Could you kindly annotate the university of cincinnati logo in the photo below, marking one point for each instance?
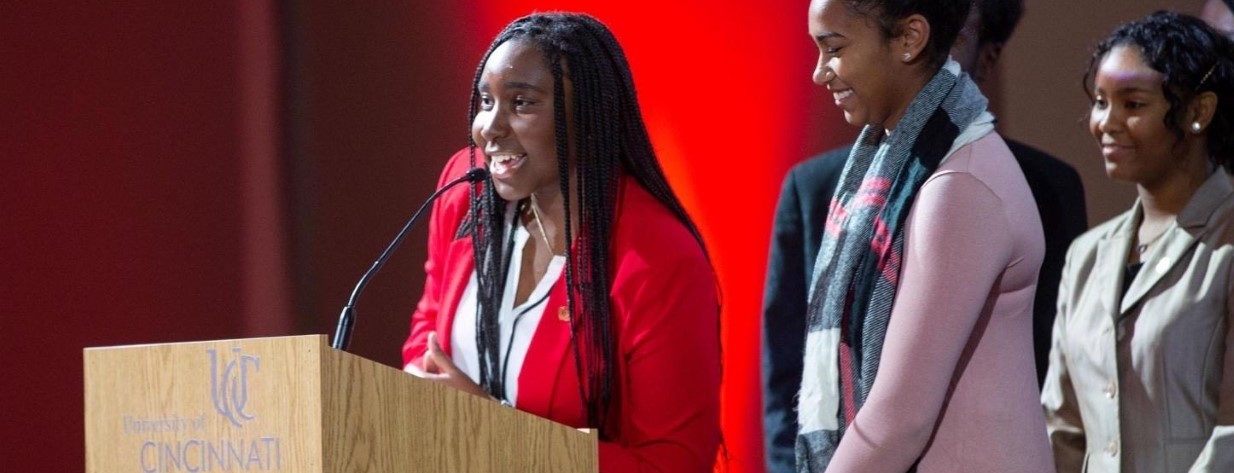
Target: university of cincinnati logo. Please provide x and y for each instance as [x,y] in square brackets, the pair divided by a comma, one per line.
[229,385]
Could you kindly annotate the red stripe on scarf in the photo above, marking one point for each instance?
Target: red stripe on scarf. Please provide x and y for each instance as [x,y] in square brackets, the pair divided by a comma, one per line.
[882,245]
[848,380]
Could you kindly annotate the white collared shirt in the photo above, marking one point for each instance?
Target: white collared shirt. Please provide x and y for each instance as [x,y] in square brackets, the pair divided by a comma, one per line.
[517,324]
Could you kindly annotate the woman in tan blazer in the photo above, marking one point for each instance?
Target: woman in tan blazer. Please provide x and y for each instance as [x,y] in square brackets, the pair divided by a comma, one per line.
[1141,375]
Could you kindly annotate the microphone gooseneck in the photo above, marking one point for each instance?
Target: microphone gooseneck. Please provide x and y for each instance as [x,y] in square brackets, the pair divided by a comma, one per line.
[346,320]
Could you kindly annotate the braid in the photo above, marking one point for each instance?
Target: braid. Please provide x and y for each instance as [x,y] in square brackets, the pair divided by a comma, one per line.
[597,189]
[490,259]
[488,232]
[604,140]
[639,158]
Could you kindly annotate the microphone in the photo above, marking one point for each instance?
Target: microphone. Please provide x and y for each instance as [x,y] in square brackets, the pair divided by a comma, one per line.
[346,319]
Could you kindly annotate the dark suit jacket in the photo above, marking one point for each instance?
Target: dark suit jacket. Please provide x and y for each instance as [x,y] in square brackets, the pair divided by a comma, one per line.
[797,236]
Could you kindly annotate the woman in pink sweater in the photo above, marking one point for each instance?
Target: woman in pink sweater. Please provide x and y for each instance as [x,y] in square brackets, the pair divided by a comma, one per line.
[919,354]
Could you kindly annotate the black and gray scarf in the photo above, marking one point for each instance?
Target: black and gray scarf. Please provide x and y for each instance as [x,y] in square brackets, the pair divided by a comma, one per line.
[858,266]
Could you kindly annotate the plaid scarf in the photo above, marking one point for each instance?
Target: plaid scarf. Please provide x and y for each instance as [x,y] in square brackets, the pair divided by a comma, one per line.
[858,266]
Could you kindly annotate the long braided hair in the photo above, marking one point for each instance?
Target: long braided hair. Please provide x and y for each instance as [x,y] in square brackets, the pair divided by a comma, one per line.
[609,140]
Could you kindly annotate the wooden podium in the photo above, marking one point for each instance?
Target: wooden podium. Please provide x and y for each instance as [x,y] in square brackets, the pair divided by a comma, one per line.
[294,404]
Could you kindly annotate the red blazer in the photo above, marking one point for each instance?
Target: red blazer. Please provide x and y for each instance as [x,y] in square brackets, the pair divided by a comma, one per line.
[665,414]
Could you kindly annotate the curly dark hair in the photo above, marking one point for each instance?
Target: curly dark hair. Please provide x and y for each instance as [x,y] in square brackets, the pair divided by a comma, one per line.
[1194,58]
[946,18]
[609,139]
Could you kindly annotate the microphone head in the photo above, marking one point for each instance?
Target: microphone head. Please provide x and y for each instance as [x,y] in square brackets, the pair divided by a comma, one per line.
[477,174]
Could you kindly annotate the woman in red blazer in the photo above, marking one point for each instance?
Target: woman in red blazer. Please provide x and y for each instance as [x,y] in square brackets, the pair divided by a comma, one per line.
[597,310]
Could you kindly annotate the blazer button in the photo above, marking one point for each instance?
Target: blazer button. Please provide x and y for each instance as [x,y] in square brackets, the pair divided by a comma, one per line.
[1110,390]
[1111,448]
[1163,265]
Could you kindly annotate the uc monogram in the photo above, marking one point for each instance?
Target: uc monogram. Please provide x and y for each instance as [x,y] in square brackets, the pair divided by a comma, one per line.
[229,388]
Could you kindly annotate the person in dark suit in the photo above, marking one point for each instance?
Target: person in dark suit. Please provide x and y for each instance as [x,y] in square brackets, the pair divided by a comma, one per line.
[802,211]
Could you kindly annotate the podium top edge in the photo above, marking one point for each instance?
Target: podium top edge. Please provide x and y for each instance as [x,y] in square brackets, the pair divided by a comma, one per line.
[321,337]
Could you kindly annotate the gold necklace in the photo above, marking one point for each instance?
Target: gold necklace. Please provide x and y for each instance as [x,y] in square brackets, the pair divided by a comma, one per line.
[536,214]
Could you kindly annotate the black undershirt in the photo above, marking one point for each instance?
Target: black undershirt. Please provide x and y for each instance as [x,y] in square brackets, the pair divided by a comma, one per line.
[1132,270]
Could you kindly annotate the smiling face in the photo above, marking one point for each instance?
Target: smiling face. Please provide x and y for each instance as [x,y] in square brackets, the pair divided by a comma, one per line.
[514,124]
[857,64]
[1128,118]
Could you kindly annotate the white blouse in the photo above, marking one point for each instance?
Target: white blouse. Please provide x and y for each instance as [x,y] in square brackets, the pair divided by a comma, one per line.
[517,324]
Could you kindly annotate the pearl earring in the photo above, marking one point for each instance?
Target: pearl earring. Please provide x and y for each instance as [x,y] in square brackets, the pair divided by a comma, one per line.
[908,56]
[1196,127]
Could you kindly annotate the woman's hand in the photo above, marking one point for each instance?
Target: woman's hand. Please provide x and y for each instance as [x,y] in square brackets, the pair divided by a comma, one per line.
[440,368]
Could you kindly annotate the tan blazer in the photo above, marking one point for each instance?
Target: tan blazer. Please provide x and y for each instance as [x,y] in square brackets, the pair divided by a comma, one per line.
[1144,382]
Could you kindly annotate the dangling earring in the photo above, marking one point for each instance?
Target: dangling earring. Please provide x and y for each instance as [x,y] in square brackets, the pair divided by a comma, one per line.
[908,56]
[1196,128]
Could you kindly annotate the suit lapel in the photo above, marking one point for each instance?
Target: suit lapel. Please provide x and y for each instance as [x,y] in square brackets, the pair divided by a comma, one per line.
[547,355]
[1193,222]
[549,351]
[543,386]
[1174,247]
[457,276]
[548,384]
[1111,261]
